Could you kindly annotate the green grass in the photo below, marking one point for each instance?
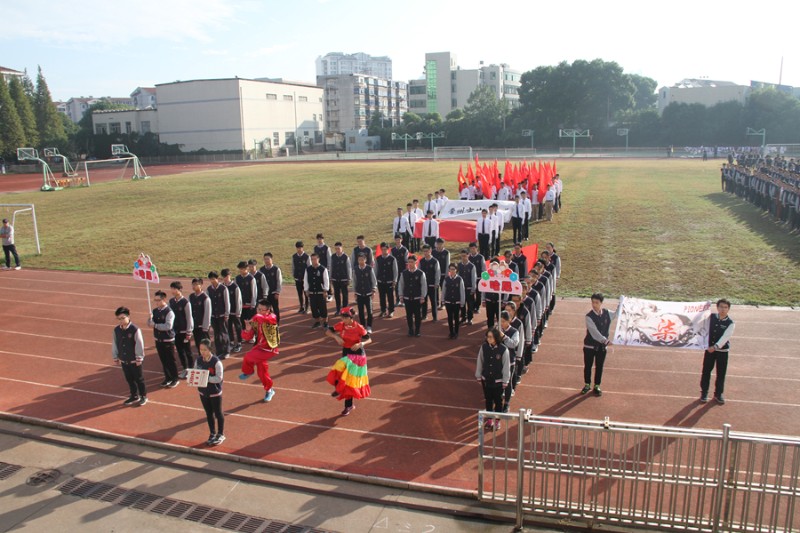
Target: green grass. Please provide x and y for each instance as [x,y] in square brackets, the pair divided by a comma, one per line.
[655,229]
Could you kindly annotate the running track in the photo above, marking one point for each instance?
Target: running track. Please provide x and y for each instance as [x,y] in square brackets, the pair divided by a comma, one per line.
[419,425]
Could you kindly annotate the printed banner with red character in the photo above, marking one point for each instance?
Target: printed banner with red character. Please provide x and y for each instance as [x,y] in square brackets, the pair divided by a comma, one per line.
[500,281]
[665,324]
[144,269]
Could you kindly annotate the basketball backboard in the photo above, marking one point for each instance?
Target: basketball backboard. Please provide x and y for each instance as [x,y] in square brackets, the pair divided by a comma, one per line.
[119,149]
[27,154]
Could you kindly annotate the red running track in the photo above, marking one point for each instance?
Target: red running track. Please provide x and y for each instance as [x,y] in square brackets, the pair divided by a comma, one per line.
[420,425]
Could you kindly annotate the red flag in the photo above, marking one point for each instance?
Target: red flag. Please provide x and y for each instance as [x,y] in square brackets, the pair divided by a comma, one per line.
[486,186]
[470,175]
[461,180]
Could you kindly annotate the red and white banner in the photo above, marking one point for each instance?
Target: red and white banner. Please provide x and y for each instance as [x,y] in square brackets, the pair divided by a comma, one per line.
[667,324]
[144,269]
[500,281]
[451,230]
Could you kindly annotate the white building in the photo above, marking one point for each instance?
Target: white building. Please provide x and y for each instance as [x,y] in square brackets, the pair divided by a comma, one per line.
[337,63]
[77,107]
[701,91]
[236,114]
[144,97]
[447,86]
[135,120]
[8,73]
[352,99]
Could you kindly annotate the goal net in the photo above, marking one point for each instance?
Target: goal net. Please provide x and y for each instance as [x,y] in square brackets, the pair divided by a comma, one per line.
[26,230]
[100,170]
[452,153]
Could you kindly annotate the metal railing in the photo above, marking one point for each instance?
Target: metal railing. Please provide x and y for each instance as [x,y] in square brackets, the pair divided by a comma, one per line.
[603,472]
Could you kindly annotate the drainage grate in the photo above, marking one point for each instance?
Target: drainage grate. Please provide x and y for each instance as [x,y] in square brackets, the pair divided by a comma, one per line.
[153,503]
[7,470]
[43,477]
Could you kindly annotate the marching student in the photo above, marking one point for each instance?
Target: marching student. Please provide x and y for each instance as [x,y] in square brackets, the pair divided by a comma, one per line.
[211,394]
[161,320]
[492,302]
[454,297]
[412,217]
[340,274]
[201,312]
[413,289]
[483,233]
[235,316]
[316,284]
[183,325]
[480,267]
[499,224]
[416,209]
[493,371]
[400,254]
[220,310]
[521,260]
[554,258]
[510,337]
[272,273]
[300,261]
[598,324]
[527,207]
[517,216]
[536,206]
[400,226]
[467,272]
[349,375]
[443,199]
[261,282]
[364,285]
[430,229]
[263,327]
[386,273]
[719,333]
[518,324]
[550,269]
[429,265]
[549,200]
[442,255]
[127,350]
[324,253]
[362,248]
[248,287]
[431,205]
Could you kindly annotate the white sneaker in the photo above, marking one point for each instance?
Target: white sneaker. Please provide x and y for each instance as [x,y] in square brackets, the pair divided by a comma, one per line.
[17,268]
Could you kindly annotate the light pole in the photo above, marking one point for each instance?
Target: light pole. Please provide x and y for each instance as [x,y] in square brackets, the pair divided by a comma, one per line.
[762,133]
[528,133]
[573,134]
[430,136]
[623,132]
[404,137]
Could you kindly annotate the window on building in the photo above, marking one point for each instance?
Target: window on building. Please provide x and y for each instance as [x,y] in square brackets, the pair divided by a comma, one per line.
[453,103]
[315,117]
[303,99]
[145,126]
[127,127]
[289,137]
[272,96]
[288,97]
[100,129]
[493,75]
[115,127]
[276,138]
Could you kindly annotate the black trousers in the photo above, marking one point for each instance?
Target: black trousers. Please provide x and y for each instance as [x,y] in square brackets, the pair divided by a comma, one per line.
[433,298]
[468,311]
[184,348]
[364,310]
[198,335]
[274,298]
[413,314]
[510,388]
[166,352]
[319,305]
[710,360]
[483,244]
[497,236]
[386,297]
[596,357]
[453,317]
[492,313]
[516,228]
[247,314]
[493,394]
[213,409]
[135,378]
[340,294]
[222,343]
[235,329]
[430,241]
[302,297]
[9,250]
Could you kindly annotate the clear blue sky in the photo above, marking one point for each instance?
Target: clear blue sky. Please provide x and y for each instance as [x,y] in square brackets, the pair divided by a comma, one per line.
[108,49]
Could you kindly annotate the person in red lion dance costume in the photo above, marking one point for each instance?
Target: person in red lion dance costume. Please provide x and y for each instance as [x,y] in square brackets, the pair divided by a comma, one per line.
[264,328]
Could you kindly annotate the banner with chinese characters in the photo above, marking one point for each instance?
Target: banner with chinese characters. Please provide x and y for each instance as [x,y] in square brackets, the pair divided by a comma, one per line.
[500,281]
[471,209]
[144,269]
[668,324]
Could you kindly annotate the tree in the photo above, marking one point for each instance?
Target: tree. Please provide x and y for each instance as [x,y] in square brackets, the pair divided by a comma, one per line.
[22,102]
[12,135]
[484,117]
[51,129]
[644,96]
[777,112]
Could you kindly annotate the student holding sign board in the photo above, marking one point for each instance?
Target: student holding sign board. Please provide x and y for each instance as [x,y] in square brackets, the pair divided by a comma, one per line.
[207,377]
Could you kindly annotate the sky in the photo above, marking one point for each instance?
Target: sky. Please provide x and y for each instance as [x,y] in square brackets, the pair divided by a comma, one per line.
[94,48]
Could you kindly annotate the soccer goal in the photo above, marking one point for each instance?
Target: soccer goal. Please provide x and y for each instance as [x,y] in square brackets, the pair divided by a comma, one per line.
[452,153]
[26,230]
[121,151]
[97,170]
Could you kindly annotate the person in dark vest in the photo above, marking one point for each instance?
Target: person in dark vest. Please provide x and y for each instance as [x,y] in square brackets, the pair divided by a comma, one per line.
[512,339]
[184,324]
[479,260]
[413,289]
[162,320]
[201,312]
[442,255]
[720,331]
[127,350]
[364,285]
[430,266]
[400,254]
[300,261]
[211,394]
[386,272]
[235,316]
[521,260]
[598,324]
[324,253]
[220,310]
[248,287]
[316,284]
[262,289]
[493,371]
[362,248]
[272,273]
[340,273]
[468,273]
[454,297]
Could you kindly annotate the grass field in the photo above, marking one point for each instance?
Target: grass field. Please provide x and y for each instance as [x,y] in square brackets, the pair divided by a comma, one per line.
[657,229]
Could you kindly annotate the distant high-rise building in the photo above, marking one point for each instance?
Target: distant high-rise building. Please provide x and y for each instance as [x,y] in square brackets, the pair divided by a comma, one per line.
[337,63]
[446,86]
[351,100]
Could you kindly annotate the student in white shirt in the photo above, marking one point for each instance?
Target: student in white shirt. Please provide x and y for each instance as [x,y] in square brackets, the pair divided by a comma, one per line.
[400,227]
[430,230]
[526,204]
[411,219]
[431,205]
[483,233]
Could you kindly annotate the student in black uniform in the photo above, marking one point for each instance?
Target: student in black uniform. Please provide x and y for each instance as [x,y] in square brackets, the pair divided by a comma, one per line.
[220,310]
[454,298]
[400,254]
[261,282]
[362,248]
[511,339]
[493,372]
[468,274]
[235,316]
[521,260]
[598,324]
[340,273]
[442,255]
[413,288]
[272,273]
[184,324]
[386,273]
[430,266]
[364,285]
[300,260]
[480,267]
[324,253]
[211,394]
[201,312]
[127,350]
[248,287]
[162,320]
[719,334]
[316,284]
